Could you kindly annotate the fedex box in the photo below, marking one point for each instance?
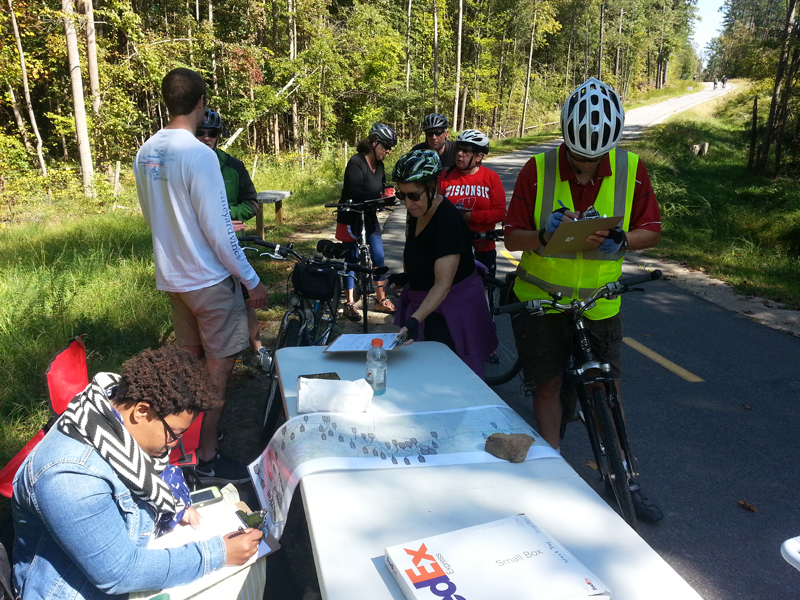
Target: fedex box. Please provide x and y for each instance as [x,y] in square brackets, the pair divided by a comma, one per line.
[505,559]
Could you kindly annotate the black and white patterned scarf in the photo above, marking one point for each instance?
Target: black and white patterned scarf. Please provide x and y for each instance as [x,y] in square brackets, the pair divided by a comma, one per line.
[91,420]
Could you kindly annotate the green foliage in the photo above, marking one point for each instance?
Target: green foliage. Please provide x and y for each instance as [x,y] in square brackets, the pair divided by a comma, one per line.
[717,214]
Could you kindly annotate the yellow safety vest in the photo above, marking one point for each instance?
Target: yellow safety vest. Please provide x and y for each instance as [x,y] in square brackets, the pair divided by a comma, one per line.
[577,275]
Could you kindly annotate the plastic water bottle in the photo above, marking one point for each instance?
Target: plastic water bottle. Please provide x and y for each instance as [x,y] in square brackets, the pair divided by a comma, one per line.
[377,361]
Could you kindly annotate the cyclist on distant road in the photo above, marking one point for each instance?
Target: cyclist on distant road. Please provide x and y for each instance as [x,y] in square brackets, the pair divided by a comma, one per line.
[443,298]
[476,191]
[715,83]
[435,127]
[557,187]
[243,204]
[724,81]
[365,179]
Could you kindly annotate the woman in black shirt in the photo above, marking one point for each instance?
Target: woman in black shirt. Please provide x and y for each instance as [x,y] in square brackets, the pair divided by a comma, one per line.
[365,179]
[444,298]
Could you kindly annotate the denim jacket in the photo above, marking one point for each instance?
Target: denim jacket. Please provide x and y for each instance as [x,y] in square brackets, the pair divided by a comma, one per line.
[82,535]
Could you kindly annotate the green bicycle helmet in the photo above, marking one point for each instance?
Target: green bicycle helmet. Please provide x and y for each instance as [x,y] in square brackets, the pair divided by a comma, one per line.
[418,166]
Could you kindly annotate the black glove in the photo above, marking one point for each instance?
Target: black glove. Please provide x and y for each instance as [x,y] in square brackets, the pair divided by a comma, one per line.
[411,326]
[397,279]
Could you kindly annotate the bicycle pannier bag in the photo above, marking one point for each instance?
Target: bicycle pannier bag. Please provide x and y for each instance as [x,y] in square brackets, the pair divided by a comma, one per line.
[317,282]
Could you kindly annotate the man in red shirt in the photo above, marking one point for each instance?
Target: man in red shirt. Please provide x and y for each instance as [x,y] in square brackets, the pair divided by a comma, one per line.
[477,191]
[587,170]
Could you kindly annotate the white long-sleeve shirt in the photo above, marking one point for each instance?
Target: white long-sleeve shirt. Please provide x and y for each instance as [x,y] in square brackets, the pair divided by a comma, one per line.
[183,200]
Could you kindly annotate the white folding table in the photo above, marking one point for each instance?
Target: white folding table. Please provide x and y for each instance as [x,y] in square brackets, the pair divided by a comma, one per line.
[353,515]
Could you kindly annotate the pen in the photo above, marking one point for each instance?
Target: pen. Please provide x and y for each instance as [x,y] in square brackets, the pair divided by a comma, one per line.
[562,204]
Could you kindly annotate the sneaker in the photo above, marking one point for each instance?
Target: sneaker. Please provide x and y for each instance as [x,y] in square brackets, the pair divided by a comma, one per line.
[221,470]
[645,509]
[351,311]
[263,358]
[494,359]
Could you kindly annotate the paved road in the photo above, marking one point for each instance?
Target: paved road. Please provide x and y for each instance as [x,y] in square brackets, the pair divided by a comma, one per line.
[702,447]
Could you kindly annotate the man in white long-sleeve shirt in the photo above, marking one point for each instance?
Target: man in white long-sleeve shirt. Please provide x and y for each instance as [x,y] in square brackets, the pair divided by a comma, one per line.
[198,259]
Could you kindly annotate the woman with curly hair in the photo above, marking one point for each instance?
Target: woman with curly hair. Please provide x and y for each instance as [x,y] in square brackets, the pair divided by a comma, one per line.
[91,495]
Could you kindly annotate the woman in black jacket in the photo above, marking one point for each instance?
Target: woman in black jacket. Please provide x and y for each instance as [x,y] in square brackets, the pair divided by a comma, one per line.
[364,179]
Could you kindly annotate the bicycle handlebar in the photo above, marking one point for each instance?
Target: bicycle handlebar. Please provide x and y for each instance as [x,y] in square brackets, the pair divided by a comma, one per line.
[376,203]
[610,290]
[339,265]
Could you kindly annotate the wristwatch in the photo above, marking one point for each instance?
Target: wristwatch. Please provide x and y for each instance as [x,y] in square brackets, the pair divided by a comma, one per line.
[542,241]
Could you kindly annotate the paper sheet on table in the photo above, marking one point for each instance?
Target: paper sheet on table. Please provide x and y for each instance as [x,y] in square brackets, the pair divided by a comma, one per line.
[318,442]
[361,342]
[331,395]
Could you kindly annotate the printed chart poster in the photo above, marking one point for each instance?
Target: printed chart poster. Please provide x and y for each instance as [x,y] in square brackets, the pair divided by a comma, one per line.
[334,441]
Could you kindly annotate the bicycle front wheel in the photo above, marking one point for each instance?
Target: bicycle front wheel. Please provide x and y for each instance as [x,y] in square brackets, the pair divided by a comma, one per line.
[504,364]
[617,477]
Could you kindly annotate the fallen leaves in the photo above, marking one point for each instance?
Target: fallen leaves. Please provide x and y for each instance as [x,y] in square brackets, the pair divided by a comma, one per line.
[592,465]
[749,507]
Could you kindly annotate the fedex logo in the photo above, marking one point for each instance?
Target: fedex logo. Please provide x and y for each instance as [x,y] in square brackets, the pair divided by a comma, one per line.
[430,575]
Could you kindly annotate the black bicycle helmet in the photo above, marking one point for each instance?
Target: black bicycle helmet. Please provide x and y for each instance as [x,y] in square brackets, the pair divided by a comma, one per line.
[434,121]
[418,166]
[212,120]
[592,119]
[474,138]
[383,134]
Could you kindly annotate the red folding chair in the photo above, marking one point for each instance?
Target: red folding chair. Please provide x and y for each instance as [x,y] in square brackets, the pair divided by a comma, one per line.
[66,376]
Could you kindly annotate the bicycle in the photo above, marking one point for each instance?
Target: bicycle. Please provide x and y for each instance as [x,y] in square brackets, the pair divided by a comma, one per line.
[504,364]
[313,310]
[364,285]
[588,383]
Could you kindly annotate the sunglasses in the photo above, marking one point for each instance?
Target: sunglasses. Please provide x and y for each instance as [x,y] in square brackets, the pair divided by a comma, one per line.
[172,437]
[435,132]
[465,149]
[413,196]
[212,133]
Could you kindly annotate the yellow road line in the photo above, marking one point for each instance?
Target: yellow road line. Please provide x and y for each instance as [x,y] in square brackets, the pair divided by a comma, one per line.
[510,258]
[666,363]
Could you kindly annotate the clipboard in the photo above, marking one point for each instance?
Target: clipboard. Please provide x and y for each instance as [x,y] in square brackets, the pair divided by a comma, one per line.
[571,237]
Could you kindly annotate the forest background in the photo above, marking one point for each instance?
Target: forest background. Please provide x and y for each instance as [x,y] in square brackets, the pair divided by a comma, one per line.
[301,81]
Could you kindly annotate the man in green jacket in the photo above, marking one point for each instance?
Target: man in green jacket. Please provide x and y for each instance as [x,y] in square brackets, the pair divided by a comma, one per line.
[243,205]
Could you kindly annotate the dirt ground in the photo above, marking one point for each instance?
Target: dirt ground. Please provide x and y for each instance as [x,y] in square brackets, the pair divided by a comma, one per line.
[241,424]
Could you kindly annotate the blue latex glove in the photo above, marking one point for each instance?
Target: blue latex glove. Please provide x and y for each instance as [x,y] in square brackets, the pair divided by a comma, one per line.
[554,221]
[609,246]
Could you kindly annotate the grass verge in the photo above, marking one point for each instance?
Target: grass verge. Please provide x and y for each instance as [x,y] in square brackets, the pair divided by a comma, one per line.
[736,225]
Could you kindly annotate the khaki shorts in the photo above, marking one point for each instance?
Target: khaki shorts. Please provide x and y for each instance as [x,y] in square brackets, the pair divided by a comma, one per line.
[545,343]
[213,317]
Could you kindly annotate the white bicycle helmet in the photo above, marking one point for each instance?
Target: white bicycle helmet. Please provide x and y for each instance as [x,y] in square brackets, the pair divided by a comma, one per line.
[592,119]
[474,138]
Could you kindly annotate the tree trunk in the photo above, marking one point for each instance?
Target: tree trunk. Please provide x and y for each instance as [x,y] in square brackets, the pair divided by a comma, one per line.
[660,66]
[435,57]
[274,25]
[600,46]
[781,115]
[408,48]
[458,59]
[23,132]
[91,54]
[293,56]
[619,47]
[528,77]
[586,51]
[26,90]
[464,96]
[79,108]
[213,46]
[776,92]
